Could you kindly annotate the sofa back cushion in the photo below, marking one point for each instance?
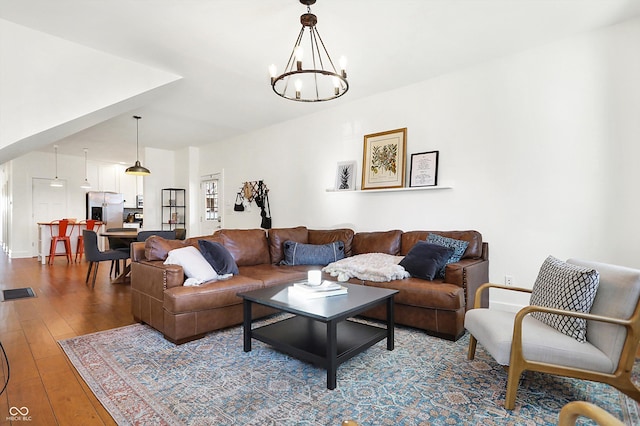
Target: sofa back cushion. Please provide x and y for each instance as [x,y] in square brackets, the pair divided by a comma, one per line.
[326,236]
[277,237]
[377,242]
[157,248]
[474,238]
[247,246]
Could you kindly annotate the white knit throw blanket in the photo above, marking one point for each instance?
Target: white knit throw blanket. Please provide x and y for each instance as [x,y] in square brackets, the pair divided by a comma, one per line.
[377,267]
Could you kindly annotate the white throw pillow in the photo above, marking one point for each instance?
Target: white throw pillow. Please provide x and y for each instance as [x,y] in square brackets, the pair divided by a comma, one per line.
[193,263]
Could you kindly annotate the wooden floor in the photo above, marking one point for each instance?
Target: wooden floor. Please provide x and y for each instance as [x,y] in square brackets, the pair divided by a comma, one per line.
[41,377]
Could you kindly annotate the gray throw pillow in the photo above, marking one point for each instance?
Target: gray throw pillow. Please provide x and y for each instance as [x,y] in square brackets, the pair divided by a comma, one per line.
[424,260]
[218,257]
[458,246]
[312,254]
[565,286]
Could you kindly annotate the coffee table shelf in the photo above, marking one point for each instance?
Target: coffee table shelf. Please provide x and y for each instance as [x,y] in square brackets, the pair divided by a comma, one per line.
[306,339]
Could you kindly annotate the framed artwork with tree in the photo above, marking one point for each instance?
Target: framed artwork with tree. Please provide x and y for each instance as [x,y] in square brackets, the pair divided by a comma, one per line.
[383,164]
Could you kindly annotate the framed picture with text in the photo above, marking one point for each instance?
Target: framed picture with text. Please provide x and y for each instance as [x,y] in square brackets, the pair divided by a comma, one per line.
[383,164]
[424,169]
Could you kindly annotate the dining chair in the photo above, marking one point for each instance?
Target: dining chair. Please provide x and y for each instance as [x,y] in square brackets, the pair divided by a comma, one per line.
[89,224]
[119,244]
[60,235]
[94,255]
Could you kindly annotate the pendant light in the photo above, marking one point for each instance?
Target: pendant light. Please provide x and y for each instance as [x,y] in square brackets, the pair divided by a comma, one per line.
[137,168]
[85,184]
[56,183]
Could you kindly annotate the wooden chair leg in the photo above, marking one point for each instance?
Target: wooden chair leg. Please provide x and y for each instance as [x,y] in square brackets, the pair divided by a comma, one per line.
[95,274]
[513,380]
[472,347]
[86,280]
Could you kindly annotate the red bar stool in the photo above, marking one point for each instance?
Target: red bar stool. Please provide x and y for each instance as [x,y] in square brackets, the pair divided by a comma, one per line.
[61,236]
[90,224]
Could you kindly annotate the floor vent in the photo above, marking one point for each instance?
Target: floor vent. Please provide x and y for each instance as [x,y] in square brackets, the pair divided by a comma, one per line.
[17,293]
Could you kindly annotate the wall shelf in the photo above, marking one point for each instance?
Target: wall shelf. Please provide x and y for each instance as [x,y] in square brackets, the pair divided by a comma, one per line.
[415,188]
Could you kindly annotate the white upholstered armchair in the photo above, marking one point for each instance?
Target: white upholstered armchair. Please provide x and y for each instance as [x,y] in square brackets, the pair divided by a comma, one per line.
[523,342]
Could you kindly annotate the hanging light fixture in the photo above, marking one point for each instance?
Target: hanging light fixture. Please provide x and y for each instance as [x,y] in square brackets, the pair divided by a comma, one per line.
[137,169]
[321,81]
[85,184]
[56,183]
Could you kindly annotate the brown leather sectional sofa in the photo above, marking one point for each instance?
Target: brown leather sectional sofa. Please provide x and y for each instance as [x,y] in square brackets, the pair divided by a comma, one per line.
[186,313]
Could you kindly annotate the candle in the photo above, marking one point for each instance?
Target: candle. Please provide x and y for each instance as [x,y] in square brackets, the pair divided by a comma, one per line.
[314,277]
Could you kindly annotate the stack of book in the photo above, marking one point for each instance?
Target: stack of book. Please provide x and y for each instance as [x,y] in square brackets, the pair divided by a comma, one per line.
[326,289]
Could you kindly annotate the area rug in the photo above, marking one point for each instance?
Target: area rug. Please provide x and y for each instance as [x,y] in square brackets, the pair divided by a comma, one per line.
[142,379]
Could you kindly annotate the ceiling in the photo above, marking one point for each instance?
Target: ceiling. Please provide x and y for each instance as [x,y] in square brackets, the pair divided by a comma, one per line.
[222,49]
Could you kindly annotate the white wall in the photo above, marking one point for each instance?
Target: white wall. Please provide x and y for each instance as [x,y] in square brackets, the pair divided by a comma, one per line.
[541,149]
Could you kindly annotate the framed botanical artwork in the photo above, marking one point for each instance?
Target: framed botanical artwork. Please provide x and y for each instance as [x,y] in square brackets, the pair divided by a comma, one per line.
[383,165]
[424,169]
[346,176]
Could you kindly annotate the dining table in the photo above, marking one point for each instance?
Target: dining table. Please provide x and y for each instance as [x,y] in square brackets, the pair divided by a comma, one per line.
[125,236]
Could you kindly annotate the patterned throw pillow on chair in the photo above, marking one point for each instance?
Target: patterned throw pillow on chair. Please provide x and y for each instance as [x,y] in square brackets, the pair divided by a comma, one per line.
[565,286]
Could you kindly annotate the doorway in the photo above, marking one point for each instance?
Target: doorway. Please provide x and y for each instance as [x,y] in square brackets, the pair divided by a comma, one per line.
[49,203]
[210,203]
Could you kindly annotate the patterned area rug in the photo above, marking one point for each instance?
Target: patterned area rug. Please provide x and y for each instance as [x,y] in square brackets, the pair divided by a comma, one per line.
[143,379]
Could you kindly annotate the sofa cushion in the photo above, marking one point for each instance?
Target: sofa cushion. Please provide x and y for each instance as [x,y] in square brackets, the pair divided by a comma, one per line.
[377,242]
[325,236]
[458,246]
[473,251]
[193,264]
[424,260]
[277,237]
[157,248]
[247,246]
[312,254]
[565,286]
[218,257]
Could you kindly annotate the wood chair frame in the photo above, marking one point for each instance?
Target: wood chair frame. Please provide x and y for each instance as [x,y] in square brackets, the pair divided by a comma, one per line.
[620,378]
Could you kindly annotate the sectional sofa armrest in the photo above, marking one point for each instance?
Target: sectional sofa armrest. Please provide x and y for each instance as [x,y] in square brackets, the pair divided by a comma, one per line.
[469,274]
[153,277]
[137,251]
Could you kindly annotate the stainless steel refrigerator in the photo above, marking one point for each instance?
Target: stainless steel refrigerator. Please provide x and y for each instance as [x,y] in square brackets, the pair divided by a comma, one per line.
[107,207]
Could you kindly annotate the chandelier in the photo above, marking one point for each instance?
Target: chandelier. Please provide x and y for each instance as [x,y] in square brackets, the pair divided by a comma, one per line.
[319,81]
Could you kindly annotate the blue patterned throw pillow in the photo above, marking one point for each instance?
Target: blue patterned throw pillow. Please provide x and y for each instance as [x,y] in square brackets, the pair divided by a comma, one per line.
[312,254]
[458,246]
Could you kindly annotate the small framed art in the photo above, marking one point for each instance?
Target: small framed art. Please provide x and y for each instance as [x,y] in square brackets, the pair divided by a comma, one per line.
[346,176]
[424,169]
[383,165]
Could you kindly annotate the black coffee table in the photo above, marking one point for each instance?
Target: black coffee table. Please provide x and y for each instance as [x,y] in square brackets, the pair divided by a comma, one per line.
[320,332]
